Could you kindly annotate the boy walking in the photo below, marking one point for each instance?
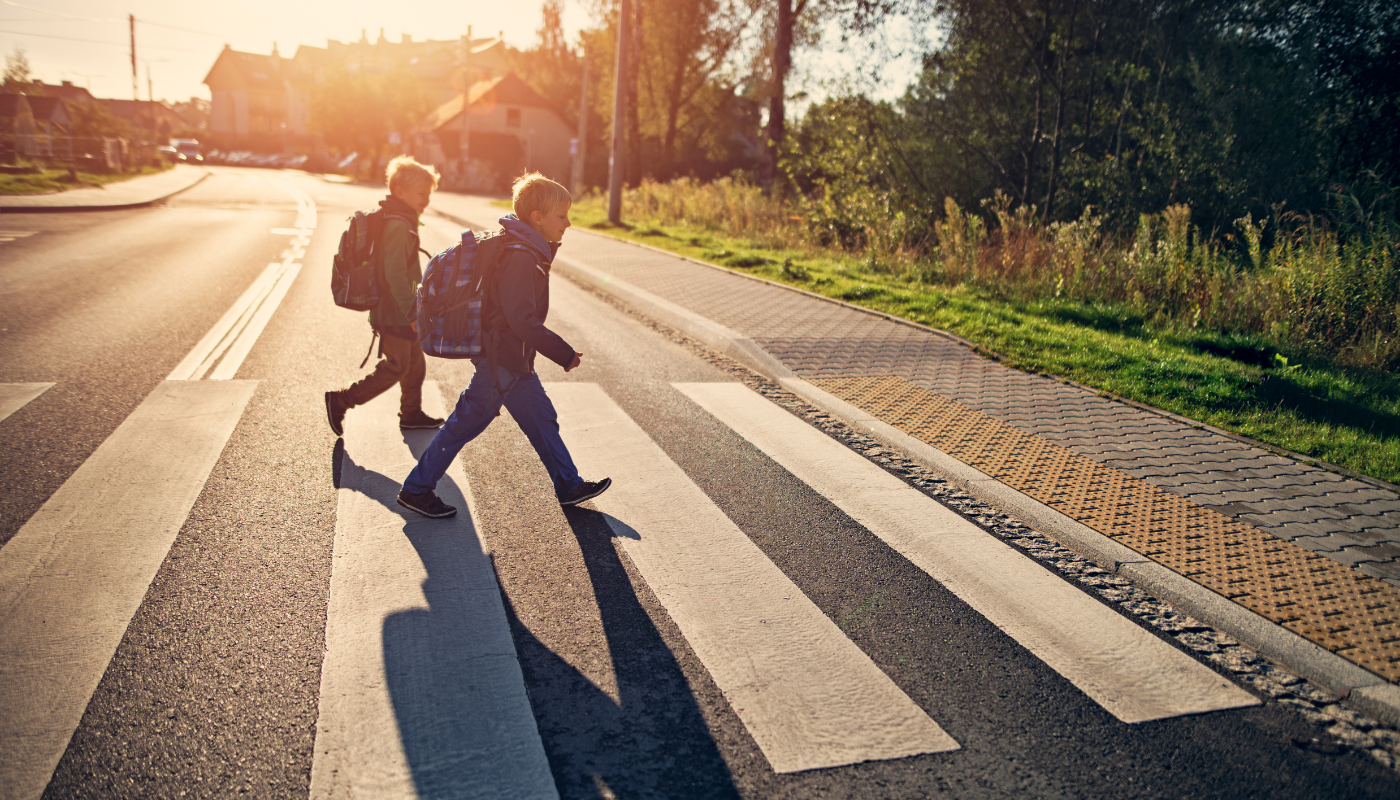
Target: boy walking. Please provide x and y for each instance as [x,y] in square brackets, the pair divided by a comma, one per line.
[515,304]
[396,257]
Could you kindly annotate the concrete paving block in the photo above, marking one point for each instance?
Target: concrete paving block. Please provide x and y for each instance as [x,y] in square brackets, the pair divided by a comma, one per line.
[1326,543]
[1385,570]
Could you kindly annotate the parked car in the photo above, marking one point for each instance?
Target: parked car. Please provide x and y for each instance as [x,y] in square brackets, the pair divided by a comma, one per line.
[168,153]
[188,150]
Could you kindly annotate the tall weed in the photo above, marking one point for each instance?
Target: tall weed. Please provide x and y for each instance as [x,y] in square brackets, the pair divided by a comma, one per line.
[1328,294]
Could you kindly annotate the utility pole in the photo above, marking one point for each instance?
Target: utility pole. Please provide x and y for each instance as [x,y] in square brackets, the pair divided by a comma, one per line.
[619,127]
[135,93]
[577,183]
[466,108]
[151,101]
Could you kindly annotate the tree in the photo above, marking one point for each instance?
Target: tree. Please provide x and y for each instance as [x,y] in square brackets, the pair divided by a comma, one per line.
[93,120]
[356,110]
[18,76]
[792,24]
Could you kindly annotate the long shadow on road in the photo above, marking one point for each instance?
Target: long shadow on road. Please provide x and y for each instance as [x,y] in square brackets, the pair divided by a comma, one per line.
[653,741]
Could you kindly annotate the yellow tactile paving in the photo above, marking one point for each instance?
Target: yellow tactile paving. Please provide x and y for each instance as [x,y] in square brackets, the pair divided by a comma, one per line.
[1351,614]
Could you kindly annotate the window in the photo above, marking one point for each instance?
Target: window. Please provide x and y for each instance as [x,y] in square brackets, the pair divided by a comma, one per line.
[512,118]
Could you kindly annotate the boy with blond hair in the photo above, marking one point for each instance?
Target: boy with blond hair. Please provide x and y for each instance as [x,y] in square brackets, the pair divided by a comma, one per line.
[514,306]
[399,273]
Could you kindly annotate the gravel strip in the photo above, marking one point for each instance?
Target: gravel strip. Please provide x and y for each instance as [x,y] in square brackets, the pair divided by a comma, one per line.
[1338,728]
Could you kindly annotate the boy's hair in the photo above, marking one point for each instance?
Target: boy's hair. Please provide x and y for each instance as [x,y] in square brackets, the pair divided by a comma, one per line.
[404,172]
[534,192]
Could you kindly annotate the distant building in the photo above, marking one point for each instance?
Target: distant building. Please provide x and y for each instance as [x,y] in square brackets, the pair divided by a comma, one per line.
[261,102]
[30,123]
[147,119]
[512,129]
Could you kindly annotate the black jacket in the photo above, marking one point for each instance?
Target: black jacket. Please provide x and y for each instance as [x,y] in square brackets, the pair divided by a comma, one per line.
[513,314]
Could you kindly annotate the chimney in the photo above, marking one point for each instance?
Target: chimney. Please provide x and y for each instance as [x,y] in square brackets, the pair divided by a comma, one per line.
[275,54]
[407,39]
[381,37]
[363,38]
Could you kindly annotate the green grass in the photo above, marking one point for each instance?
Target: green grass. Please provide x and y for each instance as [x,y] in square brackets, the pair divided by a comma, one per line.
[58,180]
[1346,417]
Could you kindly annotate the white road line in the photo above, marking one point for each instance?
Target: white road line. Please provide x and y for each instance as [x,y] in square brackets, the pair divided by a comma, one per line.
[73,576]
[14,396]
[421,690]
[1134,675]
[809,697]
[233,336]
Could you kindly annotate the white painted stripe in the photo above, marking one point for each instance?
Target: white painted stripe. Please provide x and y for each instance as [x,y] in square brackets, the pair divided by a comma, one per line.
[234,335]
[1134,675]
[73,576]
[196,363]
[421,691]
[14,396]
[809,697]
[228,366]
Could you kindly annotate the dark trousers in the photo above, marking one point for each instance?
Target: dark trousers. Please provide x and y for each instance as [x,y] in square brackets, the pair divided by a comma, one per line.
[477,407]
[402,362]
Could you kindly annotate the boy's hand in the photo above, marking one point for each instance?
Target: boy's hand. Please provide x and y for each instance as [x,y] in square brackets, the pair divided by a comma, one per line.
[578,357]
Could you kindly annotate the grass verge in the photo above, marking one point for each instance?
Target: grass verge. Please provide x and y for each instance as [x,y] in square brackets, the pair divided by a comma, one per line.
[1346,417]
[58,180]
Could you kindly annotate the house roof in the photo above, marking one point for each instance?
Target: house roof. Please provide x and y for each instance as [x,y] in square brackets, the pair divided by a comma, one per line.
[237,70]
[67,91]
[506,89]
[52,109]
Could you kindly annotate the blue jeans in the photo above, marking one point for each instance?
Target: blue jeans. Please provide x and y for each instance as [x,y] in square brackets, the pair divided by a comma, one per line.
[479,404]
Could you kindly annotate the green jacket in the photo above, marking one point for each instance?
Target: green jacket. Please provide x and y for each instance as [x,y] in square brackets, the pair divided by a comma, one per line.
[400,271]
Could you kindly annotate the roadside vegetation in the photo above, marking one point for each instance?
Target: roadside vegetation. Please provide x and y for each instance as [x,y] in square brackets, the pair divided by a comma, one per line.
[1294,345]
[45,180]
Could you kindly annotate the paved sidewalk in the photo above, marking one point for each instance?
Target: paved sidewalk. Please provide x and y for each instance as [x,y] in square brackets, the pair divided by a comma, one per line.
[132,193]
[1311,551]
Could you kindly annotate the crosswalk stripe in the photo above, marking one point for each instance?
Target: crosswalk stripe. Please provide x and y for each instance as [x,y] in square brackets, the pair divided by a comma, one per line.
[1134,675]
[809,697]
[14,396]
[421,690]
[73,576]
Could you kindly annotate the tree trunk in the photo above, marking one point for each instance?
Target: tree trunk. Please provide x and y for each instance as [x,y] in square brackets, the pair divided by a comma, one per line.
[1030,152]
[634,118]
[1065,50]
[777,123]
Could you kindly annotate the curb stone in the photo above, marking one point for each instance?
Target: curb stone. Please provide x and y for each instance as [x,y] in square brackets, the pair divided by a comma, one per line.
[113,207]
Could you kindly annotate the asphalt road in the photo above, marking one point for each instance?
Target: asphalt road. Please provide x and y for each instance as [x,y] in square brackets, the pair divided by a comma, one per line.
[214,689]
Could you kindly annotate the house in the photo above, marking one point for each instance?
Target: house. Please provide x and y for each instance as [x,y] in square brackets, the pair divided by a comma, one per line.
[262,102]
[33,125]
[149,120]
[511,129]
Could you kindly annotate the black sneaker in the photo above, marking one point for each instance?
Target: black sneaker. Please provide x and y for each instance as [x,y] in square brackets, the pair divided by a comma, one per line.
[585,491]
[425,503]
[335,413]
[418,421]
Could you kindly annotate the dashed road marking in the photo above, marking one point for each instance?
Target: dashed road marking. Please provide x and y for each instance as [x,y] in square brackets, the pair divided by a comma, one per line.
[1134,675]
[806,693]
[222,350]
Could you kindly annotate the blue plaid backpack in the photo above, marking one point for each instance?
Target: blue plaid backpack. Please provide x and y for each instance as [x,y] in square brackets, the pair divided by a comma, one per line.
[449,299]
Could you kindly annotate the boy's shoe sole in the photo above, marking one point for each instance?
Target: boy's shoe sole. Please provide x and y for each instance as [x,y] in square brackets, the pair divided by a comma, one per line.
[442,511]
[421,424]
[586,491]
[335,413]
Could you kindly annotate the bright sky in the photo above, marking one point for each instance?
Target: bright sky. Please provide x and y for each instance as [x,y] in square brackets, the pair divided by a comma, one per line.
[87,41]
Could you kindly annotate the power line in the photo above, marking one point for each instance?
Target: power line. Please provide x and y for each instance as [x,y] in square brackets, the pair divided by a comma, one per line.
[96,41]
[57,14]
[104,19]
